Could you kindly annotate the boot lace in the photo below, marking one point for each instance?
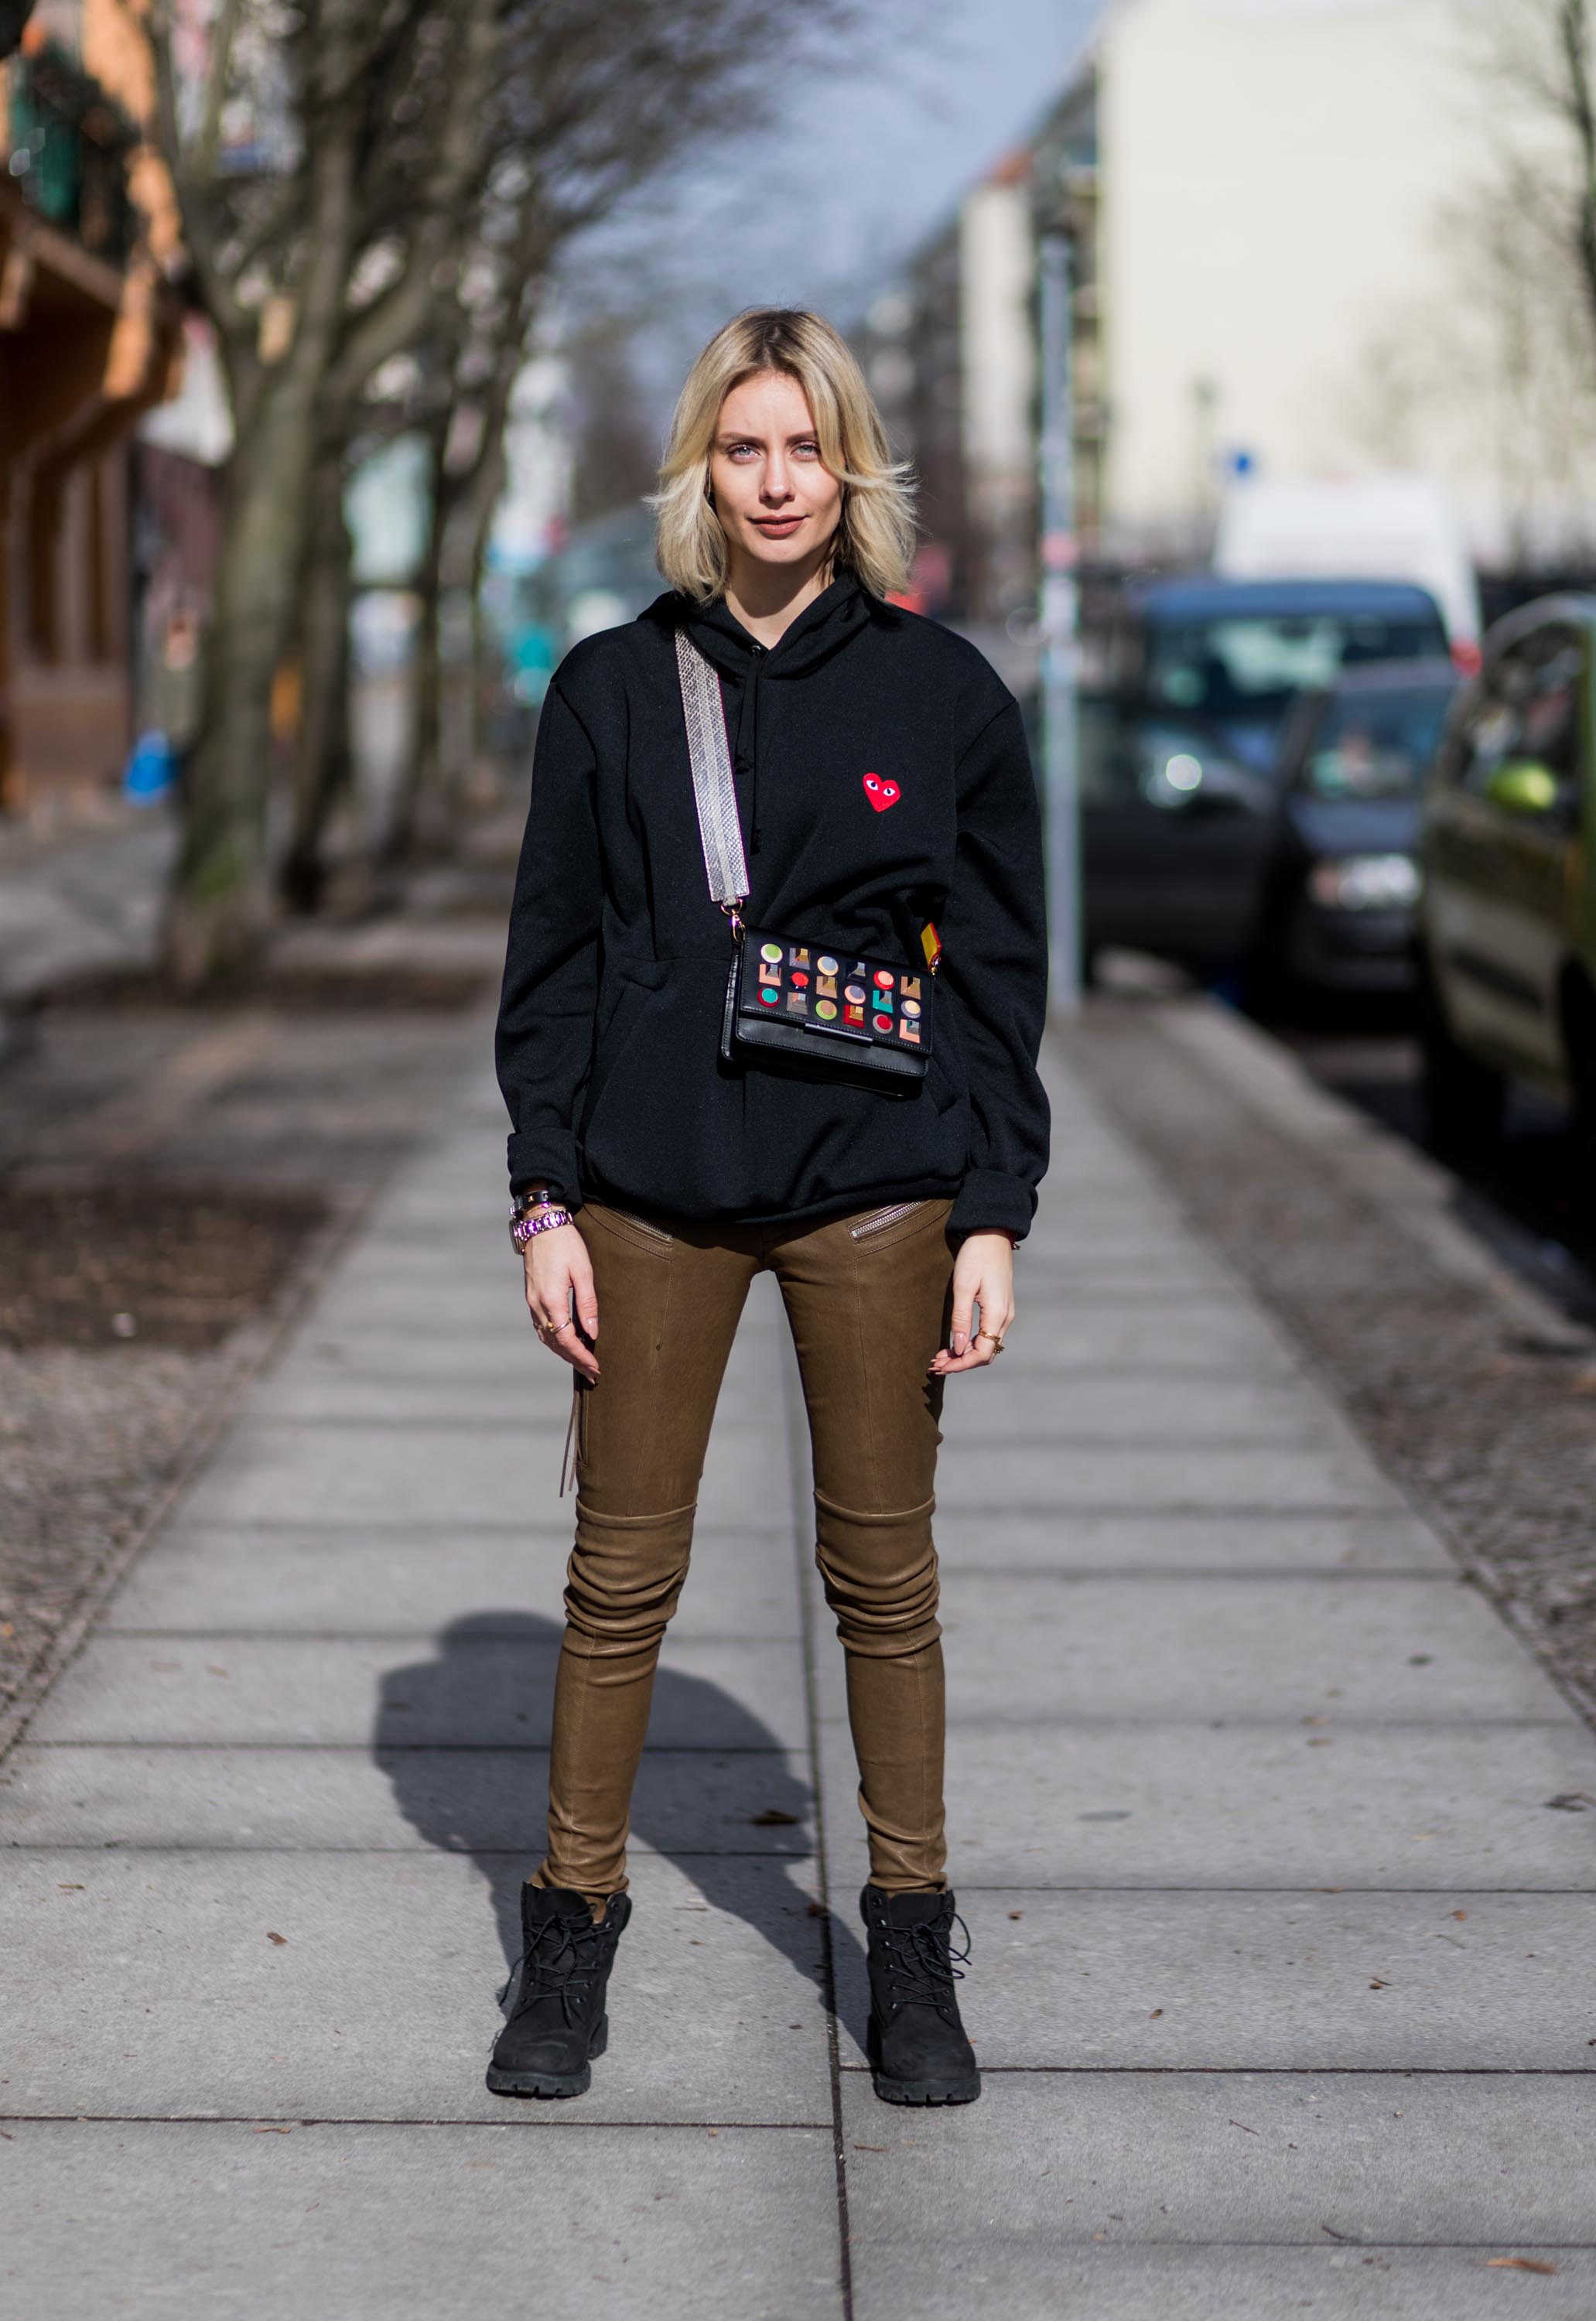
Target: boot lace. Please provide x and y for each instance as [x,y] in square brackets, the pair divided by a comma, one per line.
[563,1962]
[921,1963]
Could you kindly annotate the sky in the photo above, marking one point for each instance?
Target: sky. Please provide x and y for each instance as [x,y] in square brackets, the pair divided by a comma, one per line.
[871,148]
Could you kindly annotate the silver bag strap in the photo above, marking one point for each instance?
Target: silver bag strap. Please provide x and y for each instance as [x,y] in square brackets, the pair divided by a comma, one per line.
[714,793]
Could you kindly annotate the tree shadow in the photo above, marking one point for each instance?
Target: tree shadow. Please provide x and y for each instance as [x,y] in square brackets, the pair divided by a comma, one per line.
[462,1739]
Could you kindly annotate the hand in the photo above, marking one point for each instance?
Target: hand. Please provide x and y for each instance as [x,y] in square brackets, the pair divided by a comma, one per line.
[558,1281]
[983,1278]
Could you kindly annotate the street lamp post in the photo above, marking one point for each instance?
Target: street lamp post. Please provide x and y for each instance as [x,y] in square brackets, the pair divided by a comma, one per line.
[1059,612]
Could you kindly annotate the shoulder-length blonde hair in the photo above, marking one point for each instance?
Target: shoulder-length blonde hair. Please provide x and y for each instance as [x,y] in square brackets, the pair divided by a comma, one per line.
[875,535]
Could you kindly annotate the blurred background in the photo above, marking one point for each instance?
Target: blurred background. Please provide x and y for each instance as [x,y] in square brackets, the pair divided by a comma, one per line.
[1244,350]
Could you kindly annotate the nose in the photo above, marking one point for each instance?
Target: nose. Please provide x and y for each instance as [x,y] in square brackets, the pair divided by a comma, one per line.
[777,485]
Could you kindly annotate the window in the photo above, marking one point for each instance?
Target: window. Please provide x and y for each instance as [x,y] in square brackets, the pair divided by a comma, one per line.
[1528,712]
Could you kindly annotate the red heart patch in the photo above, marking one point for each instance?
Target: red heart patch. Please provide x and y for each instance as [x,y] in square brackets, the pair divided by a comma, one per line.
[882,793]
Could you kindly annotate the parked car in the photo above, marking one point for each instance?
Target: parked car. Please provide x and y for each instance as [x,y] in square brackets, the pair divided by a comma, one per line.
[1180,801]
[1336,910]
[1390,527]
[1507,930]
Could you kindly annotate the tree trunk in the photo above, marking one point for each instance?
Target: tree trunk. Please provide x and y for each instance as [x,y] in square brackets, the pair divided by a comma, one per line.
[323,755]
[220,905]
[490,485]
[416,805]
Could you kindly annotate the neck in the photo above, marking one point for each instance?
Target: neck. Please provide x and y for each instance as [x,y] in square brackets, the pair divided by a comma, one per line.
[767,599]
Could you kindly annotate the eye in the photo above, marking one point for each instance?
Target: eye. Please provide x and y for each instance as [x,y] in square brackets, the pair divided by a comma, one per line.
[807,451]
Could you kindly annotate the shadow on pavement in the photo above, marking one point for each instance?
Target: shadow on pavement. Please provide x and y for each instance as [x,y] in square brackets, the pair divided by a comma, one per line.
[492,1677]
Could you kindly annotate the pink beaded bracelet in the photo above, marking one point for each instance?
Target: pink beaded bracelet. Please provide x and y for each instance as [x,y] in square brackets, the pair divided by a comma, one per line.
[524,1227]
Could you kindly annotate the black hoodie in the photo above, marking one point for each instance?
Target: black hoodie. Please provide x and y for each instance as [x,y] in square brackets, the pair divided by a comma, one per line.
[609,1025]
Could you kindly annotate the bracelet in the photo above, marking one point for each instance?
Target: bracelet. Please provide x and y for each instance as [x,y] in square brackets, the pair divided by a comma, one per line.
[534,1215]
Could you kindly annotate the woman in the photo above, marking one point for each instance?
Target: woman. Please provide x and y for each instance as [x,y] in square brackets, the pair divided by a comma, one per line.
[883,797]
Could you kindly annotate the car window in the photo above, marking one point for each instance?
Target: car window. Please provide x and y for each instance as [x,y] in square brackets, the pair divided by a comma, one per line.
[1375,745]
[1256,667]
[1527,710]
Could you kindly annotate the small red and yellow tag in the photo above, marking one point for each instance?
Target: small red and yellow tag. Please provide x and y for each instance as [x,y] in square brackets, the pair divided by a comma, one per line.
[930,945]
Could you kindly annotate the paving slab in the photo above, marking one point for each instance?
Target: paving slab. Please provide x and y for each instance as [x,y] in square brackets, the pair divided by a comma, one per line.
[1029,2278]
[1038,1648]
[1048,2159]
[401,1800]
[1216,1336]
[341,1578]
[1187,1540]
[998,1409]
[1453,1981]
[419,2223]
[378,2001]
[1073,1472]
[469,1690]
[1400,1807]
[356,1472]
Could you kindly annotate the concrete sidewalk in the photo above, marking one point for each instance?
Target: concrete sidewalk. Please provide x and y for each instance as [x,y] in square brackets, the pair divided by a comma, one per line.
[1249,1797]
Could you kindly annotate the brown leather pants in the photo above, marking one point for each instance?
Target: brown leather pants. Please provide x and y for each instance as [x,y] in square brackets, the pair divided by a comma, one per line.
[867,1301]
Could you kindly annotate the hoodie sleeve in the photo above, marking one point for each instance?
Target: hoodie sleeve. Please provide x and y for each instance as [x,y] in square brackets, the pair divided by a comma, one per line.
[994,934]
[544,1041]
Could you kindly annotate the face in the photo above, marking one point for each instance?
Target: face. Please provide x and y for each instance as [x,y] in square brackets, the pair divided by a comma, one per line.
[777,503]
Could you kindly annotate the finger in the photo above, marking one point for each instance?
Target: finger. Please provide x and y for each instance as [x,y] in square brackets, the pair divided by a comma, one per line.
[959,1335]
[568,1344]
[583,1293]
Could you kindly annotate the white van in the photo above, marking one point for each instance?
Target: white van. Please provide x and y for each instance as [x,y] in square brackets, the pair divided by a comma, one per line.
[1357,528]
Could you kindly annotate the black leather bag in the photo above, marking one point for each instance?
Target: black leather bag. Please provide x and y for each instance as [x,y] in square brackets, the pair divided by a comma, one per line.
[793,1004]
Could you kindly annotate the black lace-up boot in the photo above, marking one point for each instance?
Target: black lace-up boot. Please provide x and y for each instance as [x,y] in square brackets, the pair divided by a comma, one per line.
[558,2023]
[918,2054]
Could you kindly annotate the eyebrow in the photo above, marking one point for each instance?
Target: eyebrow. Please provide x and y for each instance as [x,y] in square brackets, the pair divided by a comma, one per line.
[748,435]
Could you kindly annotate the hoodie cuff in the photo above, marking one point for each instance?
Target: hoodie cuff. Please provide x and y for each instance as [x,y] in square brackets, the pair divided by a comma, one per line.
[990,1202]
[546,1160]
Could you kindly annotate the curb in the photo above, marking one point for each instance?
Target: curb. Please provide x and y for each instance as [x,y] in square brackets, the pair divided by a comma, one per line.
[1372,1162]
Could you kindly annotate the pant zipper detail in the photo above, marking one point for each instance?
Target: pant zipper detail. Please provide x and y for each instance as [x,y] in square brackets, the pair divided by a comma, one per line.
[643,1225]
[882,1218]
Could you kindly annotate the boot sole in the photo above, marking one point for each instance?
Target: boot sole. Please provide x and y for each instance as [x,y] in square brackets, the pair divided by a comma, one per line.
[927,2092]
[550,2083]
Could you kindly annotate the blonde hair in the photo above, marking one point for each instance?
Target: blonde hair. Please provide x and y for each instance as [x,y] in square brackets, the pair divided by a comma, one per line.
[875,534]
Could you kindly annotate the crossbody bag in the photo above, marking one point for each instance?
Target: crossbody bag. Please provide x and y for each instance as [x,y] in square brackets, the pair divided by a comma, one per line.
[792,1003]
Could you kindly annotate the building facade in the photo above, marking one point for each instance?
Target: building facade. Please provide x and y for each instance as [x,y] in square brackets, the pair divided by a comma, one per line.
[89,340]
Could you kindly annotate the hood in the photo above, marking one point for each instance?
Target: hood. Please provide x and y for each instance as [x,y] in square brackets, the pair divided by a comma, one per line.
[820,630]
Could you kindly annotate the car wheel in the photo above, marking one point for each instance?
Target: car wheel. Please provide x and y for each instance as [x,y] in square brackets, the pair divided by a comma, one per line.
[1463,1099]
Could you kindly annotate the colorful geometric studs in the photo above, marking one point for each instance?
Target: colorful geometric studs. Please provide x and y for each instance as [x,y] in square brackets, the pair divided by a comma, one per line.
[909,984]
[911,1007]
[827,964]
[797,955]
[909,1032]
[825,1009]
[852,1015]
[854,992]
[826,986]
[800,981]
[884,979]
[881,1023]
[769,996]
[796,1002]
[772,951]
